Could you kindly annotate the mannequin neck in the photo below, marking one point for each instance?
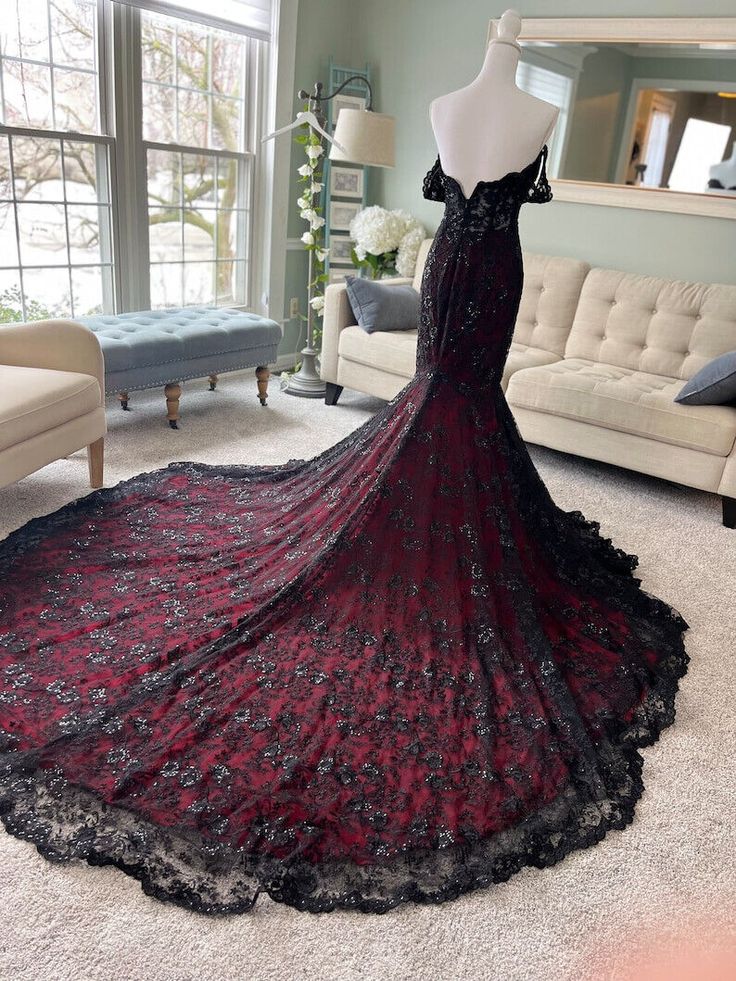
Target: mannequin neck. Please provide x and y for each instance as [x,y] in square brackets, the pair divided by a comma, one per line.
[500,62]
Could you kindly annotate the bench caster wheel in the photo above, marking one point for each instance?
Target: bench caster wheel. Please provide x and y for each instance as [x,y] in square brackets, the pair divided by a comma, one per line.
[173,424]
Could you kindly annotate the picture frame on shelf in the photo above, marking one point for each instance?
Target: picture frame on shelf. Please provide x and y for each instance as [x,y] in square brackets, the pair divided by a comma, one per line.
[341,247]
[346,182]
[337,274]
[348,102]
[342,213]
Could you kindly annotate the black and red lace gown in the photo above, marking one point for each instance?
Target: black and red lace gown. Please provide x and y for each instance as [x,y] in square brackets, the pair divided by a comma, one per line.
[394,672]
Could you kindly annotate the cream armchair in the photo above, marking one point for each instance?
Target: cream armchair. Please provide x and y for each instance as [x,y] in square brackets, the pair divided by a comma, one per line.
[52,397]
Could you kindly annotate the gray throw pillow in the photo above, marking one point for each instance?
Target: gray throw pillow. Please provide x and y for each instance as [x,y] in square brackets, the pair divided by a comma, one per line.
[714,384]
[381,306]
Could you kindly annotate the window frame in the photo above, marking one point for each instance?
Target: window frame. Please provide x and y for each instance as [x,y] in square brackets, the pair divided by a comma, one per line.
[131,190]
[108,256]
[125,250]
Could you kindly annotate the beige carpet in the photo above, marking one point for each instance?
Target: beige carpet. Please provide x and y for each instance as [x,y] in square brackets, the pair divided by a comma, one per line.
[669,875]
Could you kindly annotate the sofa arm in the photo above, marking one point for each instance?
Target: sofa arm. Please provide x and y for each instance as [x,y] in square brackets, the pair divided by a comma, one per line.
[727,486]
[62,345]
[337,315]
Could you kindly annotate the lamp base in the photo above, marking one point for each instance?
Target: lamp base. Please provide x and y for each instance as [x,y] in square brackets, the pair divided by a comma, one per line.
[306,383]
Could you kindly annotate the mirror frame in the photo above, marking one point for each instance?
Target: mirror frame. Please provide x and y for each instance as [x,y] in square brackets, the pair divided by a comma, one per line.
[652,30]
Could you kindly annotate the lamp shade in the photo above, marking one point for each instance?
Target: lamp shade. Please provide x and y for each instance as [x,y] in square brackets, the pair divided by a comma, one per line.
[368,138]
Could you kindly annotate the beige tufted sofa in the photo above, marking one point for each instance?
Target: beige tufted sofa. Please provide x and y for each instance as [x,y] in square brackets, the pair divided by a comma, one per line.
[596,360]
[52,397]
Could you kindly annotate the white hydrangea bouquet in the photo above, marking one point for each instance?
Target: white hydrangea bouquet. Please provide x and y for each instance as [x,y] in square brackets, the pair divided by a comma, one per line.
[386,242]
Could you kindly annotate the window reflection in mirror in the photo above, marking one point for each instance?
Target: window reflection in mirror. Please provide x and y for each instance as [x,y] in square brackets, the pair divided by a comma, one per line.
[644,115]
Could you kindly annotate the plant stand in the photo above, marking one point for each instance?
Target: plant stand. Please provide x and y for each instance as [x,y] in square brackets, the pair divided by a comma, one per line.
[306,382]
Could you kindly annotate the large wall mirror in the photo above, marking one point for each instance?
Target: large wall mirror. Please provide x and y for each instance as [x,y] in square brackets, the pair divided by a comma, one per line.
[647,109]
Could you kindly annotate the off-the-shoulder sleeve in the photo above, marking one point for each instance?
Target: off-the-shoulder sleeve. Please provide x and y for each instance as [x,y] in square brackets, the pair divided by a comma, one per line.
[540,192]
[433,187]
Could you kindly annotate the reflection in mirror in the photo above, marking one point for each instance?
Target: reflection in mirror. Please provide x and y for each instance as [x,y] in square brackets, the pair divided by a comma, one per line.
[646,115]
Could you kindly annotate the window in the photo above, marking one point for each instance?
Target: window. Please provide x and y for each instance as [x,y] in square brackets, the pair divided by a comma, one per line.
[654,150]
[194,131]
[703,144]
[55,211]
[555,88]
[173,227]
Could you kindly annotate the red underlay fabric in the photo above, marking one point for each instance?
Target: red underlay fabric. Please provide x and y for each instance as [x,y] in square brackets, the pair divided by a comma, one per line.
[394,672]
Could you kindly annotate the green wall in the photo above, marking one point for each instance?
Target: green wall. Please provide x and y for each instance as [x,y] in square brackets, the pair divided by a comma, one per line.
[419,49]
[601,98]
[324,28]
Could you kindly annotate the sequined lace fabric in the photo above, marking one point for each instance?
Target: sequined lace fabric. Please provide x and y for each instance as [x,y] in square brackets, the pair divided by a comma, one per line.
[394,672]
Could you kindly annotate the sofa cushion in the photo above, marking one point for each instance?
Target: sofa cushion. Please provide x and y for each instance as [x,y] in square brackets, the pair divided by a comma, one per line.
[625,400]
[552,286]
[522,356]
[713,385]
[35,400]
[380,306]
[657,326]
[394,351]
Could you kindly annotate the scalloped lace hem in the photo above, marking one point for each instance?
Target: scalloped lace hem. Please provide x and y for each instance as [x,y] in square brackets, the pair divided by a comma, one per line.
[67,823]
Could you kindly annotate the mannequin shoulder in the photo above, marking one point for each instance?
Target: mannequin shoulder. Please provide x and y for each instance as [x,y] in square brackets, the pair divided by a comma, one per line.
[542,109]
[445,103]
[472,94]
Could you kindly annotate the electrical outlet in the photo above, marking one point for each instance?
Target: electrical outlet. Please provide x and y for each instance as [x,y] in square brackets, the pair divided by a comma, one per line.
[294,306]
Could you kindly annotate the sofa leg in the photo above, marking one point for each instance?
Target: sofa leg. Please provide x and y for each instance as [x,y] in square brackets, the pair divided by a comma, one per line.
[333,393]
[729,511]
[123,398]
[173,394]
[213,382]
[262,375]
[95,458]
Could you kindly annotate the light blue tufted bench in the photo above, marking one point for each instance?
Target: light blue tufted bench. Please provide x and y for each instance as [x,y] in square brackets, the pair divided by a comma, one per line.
[166,347]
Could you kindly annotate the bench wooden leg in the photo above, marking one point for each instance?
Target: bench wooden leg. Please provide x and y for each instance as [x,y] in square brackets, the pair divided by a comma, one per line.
[173,394]
[262,374]
[729,511]
[95,458]
[123,397]
[213,382]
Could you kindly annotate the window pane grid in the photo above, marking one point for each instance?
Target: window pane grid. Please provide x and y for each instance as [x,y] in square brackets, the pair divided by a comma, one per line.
[55,220]
[55,207]
[193,77]
[49,64]
[153,83]
[42,87]
[56,202]
[193,133]
[77,265]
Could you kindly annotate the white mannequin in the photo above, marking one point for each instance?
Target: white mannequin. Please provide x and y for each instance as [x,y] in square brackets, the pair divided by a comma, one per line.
[725,171]
[491,127]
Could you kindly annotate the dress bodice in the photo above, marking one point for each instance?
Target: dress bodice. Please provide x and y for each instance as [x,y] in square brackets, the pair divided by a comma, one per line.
[473,274]
[492,203]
